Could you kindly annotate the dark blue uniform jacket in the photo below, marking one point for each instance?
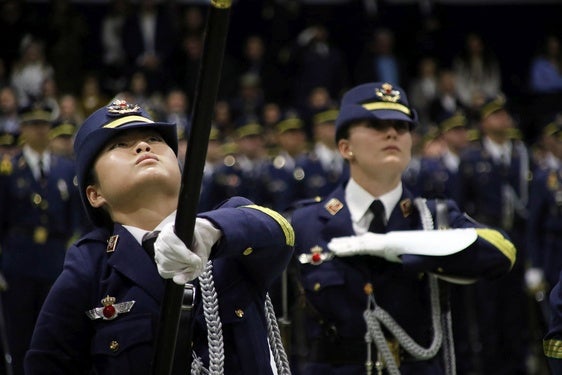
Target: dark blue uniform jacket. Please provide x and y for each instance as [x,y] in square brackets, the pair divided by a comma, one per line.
[255,248]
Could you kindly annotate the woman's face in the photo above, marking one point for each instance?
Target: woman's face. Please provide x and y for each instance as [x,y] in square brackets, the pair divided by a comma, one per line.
[378,147]
[131,167]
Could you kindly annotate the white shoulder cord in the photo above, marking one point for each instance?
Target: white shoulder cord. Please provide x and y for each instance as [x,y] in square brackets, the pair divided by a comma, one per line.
[214,331]
[214,326]
[375,315]
[281,360]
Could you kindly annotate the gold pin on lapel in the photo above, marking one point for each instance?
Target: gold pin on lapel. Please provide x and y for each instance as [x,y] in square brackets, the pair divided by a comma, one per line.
[112,243]
[333,206]
[406,207]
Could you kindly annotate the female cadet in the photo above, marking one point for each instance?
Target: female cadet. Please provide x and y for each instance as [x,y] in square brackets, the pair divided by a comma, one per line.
[102,313]
[370,259]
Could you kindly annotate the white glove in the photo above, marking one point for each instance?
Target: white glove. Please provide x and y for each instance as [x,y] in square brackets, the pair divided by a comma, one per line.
[174,260]
[534,280]
[365,244]
[393,244]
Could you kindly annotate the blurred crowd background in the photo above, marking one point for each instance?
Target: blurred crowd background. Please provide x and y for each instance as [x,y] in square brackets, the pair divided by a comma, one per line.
[81,54]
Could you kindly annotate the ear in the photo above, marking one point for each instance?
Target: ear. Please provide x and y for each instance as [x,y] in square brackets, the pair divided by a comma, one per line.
[94,197]
[345,149]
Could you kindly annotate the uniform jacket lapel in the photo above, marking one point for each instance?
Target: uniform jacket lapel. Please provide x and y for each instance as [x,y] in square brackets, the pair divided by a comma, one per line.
[337,224]
[130,259]
[403,213]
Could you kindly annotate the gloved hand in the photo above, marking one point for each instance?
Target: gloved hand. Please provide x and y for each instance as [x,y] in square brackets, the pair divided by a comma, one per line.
[174,260]
[365,244]
[534,280]
[393,244]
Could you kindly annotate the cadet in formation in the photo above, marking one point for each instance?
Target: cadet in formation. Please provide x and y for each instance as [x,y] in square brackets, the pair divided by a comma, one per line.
[40,212]
[103,311]
[371,265]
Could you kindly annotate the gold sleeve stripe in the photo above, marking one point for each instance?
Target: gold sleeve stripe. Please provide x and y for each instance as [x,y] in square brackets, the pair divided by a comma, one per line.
[283,223]
[500,242]
[552,348]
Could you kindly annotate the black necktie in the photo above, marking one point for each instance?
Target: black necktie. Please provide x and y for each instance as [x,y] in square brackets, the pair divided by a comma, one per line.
[42,174]
[148,242]
[378,223]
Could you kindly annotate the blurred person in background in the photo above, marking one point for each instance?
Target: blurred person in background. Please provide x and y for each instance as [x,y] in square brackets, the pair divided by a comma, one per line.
[493,188]
[423,88]
[321,168]
[438,173]
[9,110]
[148,39]
[317,61]
[242,171]
[379,60]
[478,72]
[113,55]
[281,175]
[61,138]
[30,71]
[41,212]
[91,95]
[545,71]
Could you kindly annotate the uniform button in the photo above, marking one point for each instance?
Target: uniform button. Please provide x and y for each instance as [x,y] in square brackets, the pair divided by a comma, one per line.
[36,198]
[317,287]
[248,251]
[114,346]
[440,269]
[239,313]
[368,289]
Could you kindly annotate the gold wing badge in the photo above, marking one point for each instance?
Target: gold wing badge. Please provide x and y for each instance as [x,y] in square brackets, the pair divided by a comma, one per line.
[110,310]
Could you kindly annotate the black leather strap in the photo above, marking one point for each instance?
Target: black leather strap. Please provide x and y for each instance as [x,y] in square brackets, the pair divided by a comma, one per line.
[183,356]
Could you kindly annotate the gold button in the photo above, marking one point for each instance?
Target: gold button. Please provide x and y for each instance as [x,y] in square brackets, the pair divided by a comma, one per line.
[36,198]
[114,346]
[317,287]
[248,251]
[239,313]
[440,269]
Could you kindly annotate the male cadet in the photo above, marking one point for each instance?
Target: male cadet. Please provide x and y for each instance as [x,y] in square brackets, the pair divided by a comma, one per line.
[280,178]
[322,168]
[213,160]
[438,173]
[544,237]
[492,188]
[544,246]
[62,138]
[242,171]
[40,211]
